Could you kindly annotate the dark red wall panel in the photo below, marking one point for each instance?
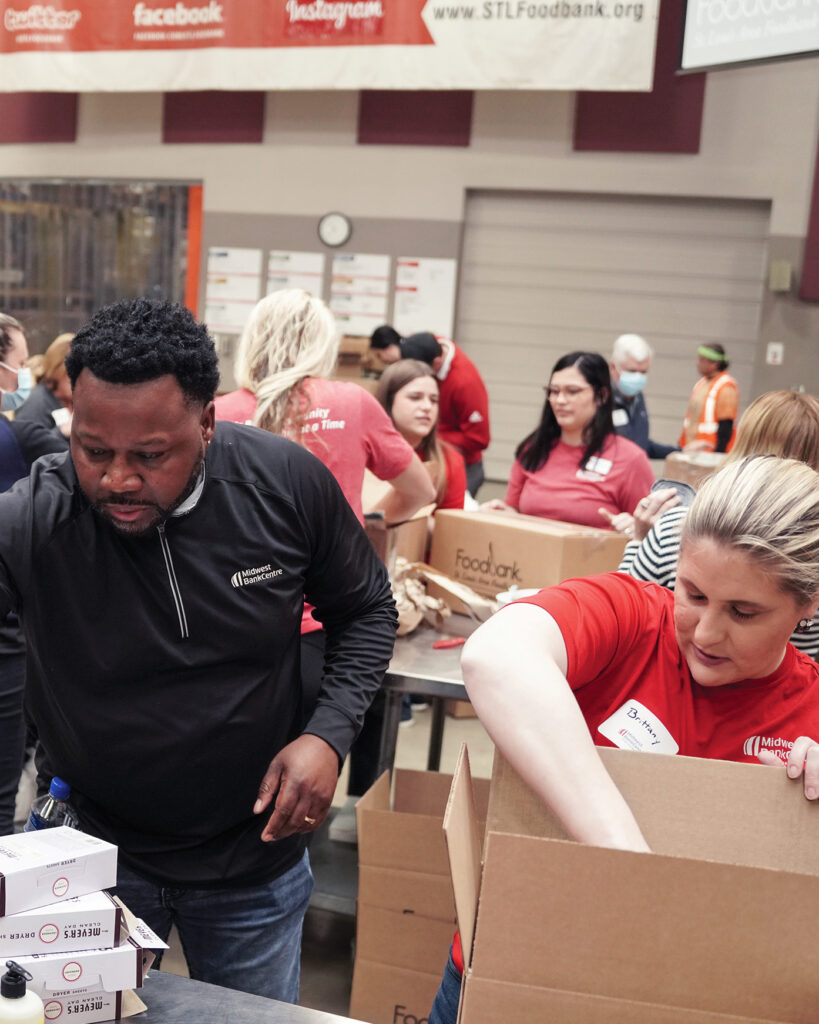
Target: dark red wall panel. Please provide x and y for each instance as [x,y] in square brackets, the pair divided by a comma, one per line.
[666,120]
[809,288]
[408,118]
[38,117]
[213,116]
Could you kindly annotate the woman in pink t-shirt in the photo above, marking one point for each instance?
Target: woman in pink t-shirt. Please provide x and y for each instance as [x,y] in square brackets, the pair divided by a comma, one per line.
[408,390]
[574,467]
[287,350]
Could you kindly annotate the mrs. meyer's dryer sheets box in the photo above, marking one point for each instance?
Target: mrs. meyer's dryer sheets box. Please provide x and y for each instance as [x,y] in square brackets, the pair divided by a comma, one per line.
[90,1007]
[87,970]
[86,922]
[38,868]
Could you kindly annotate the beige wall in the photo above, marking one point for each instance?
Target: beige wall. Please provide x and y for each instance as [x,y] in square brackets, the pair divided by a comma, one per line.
[759,141]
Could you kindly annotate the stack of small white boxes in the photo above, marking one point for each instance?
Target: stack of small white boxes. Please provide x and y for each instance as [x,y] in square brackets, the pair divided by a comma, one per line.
[83,948]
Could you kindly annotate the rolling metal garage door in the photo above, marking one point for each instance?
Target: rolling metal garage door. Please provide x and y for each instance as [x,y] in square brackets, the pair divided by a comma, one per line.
[543,274]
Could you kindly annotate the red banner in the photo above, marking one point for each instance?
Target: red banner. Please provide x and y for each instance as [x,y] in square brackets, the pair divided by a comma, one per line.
[83,26]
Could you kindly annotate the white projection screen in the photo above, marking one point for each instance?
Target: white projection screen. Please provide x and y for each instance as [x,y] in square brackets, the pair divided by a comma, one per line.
[721,33]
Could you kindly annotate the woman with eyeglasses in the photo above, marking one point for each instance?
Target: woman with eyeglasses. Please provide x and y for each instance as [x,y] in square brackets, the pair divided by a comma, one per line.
[573,466]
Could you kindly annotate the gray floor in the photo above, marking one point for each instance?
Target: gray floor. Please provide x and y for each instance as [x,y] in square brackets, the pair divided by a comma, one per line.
[329,938]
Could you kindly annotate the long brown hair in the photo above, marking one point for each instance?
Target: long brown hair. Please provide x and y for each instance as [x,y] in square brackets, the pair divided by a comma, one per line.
[431,448]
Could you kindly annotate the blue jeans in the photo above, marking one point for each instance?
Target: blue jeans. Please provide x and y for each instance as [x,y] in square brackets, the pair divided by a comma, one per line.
[445,1008]
[247,939]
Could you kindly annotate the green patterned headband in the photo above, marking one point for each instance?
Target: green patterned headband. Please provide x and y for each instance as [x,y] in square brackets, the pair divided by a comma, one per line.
[711,353]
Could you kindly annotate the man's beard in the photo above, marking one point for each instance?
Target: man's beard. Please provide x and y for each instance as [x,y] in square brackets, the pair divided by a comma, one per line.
[161,514]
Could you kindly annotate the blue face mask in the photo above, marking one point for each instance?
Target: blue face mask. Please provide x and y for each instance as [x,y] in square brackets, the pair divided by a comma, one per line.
[14,399]
[631,382]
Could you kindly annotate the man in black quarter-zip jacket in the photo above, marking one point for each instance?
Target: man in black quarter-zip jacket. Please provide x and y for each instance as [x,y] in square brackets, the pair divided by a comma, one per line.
[160,570]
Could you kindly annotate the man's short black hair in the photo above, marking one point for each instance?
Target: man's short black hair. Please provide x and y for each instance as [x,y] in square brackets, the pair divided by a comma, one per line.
[137,340]
[423,345]
[384,336]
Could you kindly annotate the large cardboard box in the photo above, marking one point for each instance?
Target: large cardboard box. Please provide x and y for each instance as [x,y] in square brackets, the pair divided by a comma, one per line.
[493,551]
[38,868]
[688,933]
[692,468]
[406,910]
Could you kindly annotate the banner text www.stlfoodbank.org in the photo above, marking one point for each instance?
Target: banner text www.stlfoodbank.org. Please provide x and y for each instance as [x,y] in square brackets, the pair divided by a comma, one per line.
[512,10]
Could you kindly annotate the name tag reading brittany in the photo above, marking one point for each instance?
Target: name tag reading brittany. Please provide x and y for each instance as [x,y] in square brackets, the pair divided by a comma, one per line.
[634,727]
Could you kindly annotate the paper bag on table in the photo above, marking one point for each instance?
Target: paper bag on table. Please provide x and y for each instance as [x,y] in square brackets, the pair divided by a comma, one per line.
[410,593]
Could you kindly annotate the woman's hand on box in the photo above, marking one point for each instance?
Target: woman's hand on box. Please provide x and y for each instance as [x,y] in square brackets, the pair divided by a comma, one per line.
[620,522]
[803,761]
[496,505]
[650,508]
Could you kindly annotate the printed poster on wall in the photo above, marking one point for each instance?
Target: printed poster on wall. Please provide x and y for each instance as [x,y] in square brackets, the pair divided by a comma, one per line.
[359,292]
[424,295]
[232,288]
[137,45]
[286,269]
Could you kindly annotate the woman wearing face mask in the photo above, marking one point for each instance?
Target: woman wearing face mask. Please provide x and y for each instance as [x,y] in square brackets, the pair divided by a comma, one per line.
[629,365]
[408,390]
[15,376]
[42,424]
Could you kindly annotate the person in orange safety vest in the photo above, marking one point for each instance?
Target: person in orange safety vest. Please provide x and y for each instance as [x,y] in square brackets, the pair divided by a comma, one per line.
[714,403]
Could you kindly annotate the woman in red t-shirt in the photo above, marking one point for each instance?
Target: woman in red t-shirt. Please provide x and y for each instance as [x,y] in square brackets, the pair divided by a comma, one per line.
[408,390]
[705,671]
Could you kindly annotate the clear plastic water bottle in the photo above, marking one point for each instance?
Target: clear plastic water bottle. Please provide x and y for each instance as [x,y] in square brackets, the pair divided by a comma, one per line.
[53,809]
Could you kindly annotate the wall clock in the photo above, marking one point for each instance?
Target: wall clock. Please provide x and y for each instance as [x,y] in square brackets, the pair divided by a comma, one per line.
[334,229]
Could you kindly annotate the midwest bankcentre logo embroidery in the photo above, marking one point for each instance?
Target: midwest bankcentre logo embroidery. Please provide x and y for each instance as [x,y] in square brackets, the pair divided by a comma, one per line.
[777,745]
[246,577]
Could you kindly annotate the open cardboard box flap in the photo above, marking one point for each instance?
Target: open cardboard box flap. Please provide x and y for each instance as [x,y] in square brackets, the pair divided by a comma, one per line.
[697,931]
[404,833]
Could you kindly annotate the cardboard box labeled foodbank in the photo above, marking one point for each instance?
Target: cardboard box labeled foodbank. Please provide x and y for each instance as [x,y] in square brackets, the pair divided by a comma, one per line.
[39,868]
[493,551]
[84,922]
[406,911]
[566,932]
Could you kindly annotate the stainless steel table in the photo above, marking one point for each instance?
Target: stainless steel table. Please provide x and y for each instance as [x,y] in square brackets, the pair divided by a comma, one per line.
[174,1000]
[418,667]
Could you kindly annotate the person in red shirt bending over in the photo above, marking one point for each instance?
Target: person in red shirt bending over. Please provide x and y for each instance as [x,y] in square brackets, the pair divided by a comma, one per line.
[705,671]
[463,416]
